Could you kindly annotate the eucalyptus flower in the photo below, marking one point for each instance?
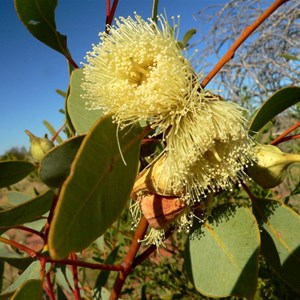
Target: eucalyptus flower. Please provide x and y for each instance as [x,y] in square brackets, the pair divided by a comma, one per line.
[138,72]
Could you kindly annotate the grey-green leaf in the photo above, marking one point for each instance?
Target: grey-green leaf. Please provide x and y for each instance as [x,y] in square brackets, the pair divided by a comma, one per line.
[12,171]
[280,239]
[277,103]
[221,256]
[26,211]
[32,272]
[12,257]
[81,117]
[38,16]
[96,191]
[56,164]
[31,289]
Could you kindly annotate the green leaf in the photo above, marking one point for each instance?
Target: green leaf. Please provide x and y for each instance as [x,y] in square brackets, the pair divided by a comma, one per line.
[56,164]
[103,275]
[187,36]
[16,198]
[221,256]
[280,239]
[12,171]
[81,117]
[290,57]
[27,211]
[1,274]
[38,16]
[61,93]
[14,258]
[31,289]
[277,103]
[32,272]
[52,131]
[96,191]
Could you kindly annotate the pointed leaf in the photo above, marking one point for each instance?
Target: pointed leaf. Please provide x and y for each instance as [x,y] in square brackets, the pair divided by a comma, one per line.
[277,103]
[12,257]
[82,118]
[15,198]
[12,171]
[56,164]
[221,256]
[38,16]
[27,211]
[280,239]
[32,272]
[31,289]
[95,193]
[187,36]
[103,275]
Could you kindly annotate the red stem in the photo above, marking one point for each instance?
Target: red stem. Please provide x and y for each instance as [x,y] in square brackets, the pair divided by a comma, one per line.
[127,264]
[71,61]
[76,291]
[50,217]
[57,133]
[40,234]
[21,247]
[240,40]
[49,289]
[288,138]
[110,13]
[283,137]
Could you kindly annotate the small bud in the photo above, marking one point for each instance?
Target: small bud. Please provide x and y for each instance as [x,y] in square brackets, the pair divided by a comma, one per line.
[39,146]
[271,165]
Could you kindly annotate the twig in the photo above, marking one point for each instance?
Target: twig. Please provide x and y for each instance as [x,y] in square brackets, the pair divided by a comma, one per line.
[50,216]
[19,246]
[283,137]
[49,288]
[154,10]
[76,291]
[24,228]
[127,264]
[240,40]
[84,264]
[288,138]
[57,132]
[110,13]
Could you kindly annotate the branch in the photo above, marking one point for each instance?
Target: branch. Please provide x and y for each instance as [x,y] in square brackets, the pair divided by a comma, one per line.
[76,291]
[21,247]
[110,13]
[21,227]
[50,216]
[84,264]
[127,264]
[240,40]
[283,137]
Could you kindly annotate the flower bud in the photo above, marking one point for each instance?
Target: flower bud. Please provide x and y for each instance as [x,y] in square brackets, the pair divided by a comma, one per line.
[39,146]
[161,211]
[271,164]
[154,180]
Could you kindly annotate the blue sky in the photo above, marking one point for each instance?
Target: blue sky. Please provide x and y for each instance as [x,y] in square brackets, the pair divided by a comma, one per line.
[31,72]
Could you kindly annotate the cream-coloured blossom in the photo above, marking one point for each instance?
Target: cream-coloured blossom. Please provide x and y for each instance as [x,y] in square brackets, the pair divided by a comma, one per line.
[207,149]
[138,72]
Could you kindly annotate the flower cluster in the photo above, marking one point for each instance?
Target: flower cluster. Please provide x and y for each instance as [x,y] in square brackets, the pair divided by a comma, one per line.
[138,72]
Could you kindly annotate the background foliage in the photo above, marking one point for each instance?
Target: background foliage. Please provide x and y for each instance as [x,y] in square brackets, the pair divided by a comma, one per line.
[246,248]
